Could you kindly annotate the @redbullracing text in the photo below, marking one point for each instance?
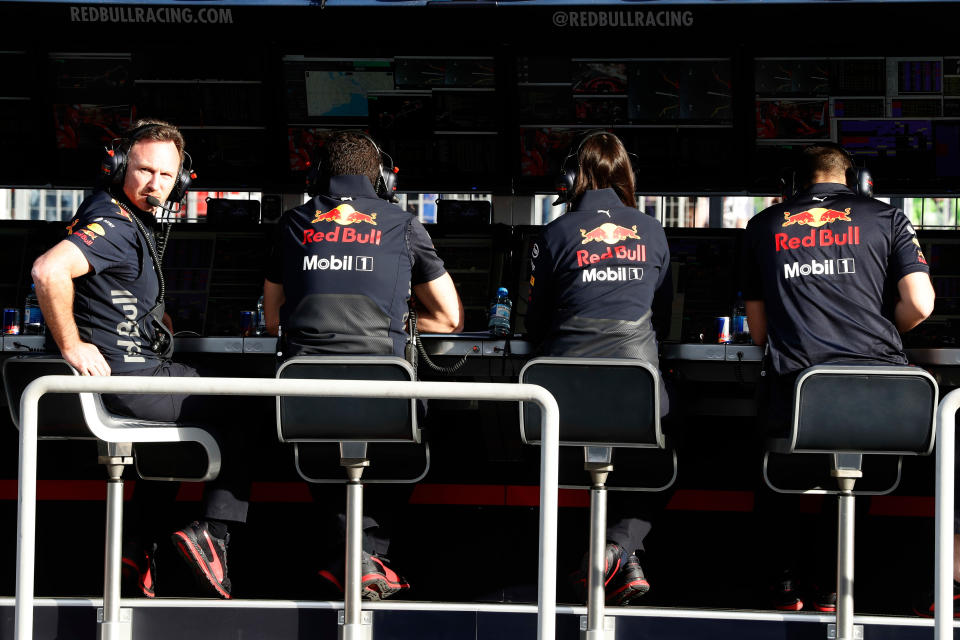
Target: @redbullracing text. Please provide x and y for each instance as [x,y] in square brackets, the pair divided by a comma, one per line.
[623,19]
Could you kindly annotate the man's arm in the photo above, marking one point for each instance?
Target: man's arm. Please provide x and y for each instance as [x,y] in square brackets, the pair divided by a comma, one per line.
[440,309]
[916,300]
[757,319]
[273,299]
[53,275]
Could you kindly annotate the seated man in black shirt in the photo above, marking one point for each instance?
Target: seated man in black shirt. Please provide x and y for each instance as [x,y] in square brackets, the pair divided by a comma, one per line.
[831,276]
[343,268]
[596,271]
[101,292]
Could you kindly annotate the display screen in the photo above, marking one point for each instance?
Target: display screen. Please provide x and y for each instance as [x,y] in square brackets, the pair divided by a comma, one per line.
[690,91]
[792,78]
[342,92]
[793,120]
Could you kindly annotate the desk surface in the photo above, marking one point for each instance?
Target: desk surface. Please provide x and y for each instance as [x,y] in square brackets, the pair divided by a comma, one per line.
[481,344]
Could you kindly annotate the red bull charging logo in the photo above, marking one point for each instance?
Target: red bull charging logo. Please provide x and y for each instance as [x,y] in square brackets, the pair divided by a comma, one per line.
[816,217]
[344,215]
[609,233]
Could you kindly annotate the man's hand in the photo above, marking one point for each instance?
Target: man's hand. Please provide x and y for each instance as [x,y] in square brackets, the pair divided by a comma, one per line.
[87,359]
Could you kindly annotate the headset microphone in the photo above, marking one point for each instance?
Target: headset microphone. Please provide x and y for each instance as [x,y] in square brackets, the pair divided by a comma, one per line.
[155,202]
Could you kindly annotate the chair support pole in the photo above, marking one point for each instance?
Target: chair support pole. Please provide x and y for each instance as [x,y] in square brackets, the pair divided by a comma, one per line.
[845,560]
[111,627]
[595,570]
[353,628]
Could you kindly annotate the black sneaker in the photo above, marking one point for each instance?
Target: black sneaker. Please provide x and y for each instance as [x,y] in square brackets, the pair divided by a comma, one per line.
[784,595]
[923,605]
[825,600]
[377,580]
[207,556]
[138,570]
[622,577]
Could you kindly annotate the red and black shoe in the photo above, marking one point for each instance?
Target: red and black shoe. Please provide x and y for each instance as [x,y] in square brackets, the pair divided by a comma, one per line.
[825,600]
[207,556]
[138,571]
[784,595]
[923,605]
[623,577]
[377,580]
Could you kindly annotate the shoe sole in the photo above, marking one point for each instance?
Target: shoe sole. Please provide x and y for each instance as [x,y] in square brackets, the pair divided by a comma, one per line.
[796,606]
[192,554]
[373,586]
[626,593]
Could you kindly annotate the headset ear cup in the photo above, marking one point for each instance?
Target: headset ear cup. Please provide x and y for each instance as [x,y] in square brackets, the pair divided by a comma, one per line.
[113,166]
[184,178]
[388,181]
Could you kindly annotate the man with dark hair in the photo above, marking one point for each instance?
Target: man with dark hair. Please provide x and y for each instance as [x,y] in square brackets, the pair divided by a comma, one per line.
[831,276]
[343,270]
[101,292]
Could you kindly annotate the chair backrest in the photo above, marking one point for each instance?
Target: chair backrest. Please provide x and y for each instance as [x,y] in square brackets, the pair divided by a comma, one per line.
[59,415]
[330,419]
[603,401]
[863,409]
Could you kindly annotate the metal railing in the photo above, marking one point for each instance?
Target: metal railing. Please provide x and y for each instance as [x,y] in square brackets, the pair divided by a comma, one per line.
[943,573]
[501,392]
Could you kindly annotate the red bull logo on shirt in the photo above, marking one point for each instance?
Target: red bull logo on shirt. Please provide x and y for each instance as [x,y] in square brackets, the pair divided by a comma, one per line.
[821,238]
[344,215]
[609,233]
[816,217]
[637,254]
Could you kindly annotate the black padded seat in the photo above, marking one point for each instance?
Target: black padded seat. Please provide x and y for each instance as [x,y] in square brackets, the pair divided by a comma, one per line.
[888,410]
[603,402]
[317,426]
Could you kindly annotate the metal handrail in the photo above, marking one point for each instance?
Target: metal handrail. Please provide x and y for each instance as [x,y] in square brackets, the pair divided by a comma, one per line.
[503,392]
[943,572]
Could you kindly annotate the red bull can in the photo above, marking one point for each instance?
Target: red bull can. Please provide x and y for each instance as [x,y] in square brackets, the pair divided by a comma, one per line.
[722,325]
[247,323]
[11,321]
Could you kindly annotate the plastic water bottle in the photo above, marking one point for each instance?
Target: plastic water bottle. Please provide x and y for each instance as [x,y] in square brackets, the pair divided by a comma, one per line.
[739,330]
[260,322]
[32,316]
[500,310]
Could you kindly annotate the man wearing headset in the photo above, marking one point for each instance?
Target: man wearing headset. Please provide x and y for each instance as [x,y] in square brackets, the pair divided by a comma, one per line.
[831,275]
[343,268]
[596,271]
[100,290]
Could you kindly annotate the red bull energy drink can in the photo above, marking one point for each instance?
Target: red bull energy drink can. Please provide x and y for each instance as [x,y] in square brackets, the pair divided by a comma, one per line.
[247,323]
[722,325]
[11,321]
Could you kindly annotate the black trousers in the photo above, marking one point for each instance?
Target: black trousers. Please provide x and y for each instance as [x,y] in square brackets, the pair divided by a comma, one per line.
[225,417]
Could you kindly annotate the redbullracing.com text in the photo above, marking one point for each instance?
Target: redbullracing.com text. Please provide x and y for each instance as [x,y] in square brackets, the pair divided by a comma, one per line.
[152,15]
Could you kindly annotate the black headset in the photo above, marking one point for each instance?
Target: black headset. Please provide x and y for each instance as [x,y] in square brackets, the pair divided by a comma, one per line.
[858,178]
[386,186]
[113,168]
[570,168]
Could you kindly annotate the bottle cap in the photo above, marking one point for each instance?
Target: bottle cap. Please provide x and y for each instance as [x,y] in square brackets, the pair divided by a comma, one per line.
[502,291]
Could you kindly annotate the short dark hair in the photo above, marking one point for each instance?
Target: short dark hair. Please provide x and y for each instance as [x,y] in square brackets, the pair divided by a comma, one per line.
[822,158]
[156,130]
[350,153]
[604,163]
